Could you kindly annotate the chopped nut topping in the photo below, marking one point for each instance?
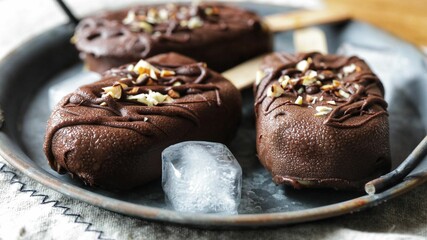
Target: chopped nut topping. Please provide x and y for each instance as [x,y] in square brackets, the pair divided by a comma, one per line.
[175,84]
[114,91]
[322,110]
[163,14]
[314,100]
[133,91]
[123,85]
[349,69]
[298,100]
[356,86]
[295,81]
[343,93]
[336,83]
[308,81]
[331,102]
[284,80]
[145,119]
[151,99]
[130,17]
[311,74]
[327,87]
[209,11]
[275,91]
[183,23]
[302,65]
[195,22]
[167,73]
[141,78]
[103,104]
[309,78]
[153,74]
[145,67]
[146,21]
[259,76]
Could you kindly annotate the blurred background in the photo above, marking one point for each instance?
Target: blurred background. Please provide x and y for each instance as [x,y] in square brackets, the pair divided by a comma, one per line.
[22,19]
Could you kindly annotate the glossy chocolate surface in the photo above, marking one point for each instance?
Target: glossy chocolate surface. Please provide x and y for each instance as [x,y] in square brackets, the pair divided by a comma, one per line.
[321,121]
[220,35]
[115,140]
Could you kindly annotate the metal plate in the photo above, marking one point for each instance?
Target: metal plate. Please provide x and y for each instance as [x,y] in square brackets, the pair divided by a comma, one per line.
[26,74]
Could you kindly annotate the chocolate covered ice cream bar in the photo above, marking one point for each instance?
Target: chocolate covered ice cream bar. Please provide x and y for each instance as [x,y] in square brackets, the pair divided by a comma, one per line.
[220,35]
[111,133]
[321,121]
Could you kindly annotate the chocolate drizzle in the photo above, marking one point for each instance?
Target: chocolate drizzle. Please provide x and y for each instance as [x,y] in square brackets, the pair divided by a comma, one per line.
[345,85]
[143,29]
[89,106]
[104,135]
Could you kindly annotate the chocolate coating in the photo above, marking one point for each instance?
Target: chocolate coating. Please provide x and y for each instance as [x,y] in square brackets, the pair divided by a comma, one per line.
[117,143]
[342,148]
[227,36]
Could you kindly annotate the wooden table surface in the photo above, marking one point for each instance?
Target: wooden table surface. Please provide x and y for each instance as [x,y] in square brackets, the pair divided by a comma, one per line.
[404,18]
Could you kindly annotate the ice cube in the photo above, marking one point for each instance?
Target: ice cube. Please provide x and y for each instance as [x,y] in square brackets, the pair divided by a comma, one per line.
[58,90]
[201,177]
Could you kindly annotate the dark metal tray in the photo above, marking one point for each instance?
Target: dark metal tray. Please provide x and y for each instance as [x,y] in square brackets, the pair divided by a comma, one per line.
[50,59]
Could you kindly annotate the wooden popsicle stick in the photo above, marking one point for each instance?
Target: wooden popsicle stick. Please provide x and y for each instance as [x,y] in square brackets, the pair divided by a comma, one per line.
[243,75]
[310,40]
[305,40]
[304,18]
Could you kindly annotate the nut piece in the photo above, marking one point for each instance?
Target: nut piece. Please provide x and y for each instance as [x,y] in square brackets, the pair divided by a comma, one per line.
[167,73]
[284,80]
[327,87]
[176,84]
[336,83]
[322,110]
[311,74]
[275,91]
[130,17]
[194,22]
[114,91]
[343,93]
[331,102]
[302,65]
[151,99]
[130,67]
[349,69]
[311,99]
[146,27]
[298,100]
[183,23]
[144,67]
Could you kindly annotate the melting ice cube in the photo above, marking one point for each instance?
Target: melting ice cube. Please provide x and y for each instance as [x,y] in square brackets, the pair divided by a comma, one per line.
[202,177]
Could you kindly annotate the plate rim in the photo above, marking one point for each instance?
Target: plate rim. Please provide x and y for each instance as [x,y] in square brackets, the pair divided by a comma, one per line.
[15,156]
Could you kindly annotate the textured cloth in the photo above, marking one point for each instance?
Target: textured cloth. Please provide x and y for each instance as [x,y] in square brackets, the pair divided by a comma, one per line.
[29,210]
